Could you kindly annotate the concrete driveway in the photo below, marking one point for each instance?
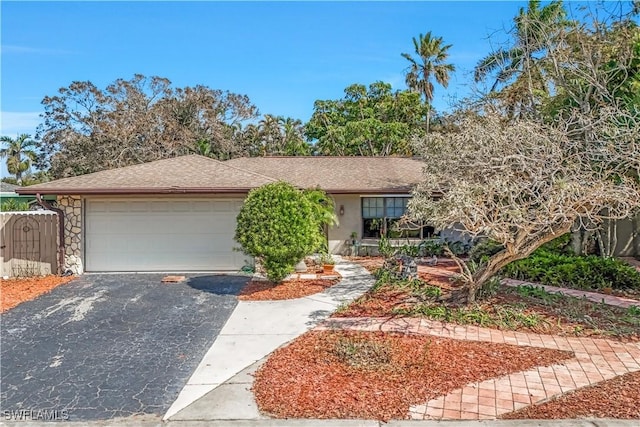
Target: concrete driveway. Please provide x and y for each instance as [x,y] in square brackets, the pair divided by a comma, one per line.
[107,346]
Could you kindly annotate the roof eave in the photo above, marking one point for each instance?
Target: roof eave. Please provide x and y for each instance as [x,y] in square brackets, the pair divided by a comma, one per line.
[126,191]
[403,190]
[190,190]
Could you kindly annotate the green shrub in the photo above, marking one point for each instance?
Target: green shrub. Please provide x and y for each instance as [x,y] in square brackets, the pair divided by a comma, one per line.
[409,250]
[323,213]
[486,248]
[13,205]
[559,245]
[457,248]
[278,225]
[482,251]
[580,272]
[432,247]
[384,247]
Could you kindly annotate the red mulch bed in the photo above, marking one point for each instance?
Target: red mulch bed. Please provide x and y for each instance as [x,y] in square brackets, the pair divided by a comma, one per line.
[383,301]
[264,291]
[440,274]
[18,290]
[373,375]
[615,398]
[379,304]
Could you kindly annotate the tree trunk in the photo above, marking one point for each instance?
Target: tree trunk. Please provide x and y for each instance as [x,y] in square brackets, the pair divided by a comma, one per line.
[507,256]
[635,235]
[428,119]
[577,239]
[482,275]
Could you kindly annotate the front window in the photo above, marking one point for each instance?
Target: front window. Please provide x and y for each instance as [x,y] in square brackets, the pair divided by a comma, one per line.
[381,217]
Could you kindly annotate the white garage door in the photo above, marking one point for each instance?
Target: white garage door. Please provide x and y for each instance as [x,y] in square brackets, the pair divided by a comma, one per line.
[162,235]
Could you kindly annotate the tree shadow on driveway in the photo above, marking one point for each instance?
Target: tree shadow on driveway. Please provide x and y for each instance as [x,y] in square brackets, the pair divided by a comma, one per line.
[219,284]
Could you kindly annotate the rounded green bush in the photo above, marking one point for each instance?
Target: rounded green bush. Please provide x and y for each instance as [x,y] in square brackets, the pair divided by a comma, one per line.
[278,225]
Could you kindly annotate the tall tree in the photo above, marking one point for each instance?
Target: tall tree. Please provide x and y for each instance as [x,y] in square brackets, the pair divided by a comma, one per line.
[20,154]
[293,135]
[371,121]
[276,136]
[594,67]
[428,64]
[520,80]
[87,129]
[523,183]
[270,134]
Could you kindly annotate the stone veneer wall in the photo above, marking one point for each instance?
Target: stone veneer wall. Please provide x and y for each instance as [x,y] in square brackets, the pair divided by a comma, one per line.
[72,208]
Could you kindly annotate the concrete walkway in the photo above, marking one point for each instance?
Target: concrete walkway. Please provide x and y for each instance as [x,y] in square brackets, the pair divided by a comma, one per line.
[595,360]
[256,328]
[591,296]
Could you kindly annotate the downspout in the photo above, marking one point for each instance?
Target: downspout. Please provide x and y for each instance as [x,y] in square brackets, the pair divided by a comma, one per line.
[60,213]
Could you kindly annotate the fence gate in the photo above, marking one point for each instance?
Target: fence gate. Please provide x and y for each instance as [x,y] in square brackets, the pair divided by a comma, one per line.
[29,242]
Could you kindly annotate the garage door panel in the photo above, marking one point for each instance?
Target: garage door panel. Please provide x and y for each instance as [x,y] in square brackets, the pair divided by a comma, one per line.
[160,235]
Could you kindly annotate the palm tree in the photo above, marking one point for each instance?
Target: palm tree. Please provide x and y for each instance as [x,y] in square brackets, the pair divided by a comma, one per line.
[293,136]
[270,128]
[19,153]
[427,65]
[519,70]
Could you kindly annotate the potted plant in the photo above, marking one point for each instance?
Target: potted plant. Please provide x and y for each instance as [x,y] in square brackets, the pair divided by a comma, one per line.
[328,263]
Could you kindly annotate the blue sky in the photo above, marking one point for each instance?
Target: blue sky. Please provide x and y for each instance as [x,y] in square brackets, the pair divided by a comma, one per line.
[283,55]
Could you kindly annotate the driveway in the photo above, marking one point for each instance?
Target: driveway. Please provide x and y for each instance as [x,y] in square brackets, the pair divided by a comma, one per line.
[106,346]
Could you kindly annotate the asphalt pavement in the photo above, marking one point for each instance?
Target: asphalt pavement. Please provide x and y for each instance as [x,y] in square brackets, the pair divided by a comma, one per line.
[110,345]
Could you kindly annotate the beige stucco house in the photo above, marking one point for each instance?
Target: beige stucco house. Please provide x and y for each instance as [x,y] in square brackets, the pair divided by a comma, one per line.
[179,214]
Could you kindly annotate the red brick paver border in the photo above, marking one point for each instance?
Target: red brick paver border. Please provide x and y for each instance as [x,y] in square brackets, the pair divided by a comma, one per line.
[595,360]
[591,296]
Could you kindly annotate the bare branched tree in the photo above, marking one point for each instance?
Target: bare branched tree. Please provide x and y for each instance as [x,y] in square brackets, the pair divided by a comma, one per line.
[524,183]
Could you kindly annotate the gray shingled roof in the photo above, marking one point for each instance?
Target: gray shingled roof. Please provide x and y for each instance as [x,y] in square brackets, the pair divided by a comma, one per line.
[198,174]
[186,174]
[8,188]
[338,174]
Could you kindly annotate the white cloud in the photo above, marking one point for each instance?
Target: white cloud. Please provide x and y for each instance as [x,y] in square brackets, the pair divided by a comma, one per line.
[13,123]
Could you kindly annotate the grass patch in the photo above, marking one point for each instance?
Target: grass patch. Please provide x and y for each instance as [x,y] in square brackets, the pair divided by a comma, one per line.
[362,353]
[502,316]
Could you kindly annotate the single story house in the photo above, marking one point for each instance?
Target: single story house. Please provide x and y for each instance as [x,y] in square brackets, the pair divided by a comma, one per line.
[179,214]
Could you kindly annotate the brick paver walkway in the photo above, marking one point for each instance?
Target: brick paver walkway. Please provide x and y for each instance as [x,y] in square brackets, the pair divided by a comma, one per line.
[595,360]
[591,296]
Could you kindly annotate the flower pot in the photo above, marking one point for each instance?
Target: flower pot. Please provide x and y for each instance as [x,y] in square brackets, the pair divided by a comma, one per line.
[327,268]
